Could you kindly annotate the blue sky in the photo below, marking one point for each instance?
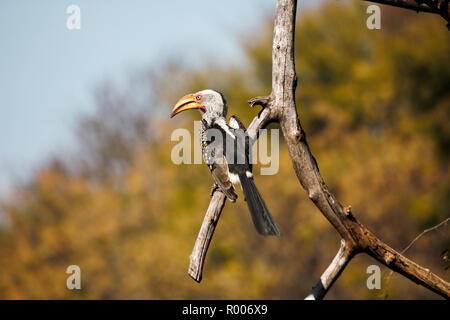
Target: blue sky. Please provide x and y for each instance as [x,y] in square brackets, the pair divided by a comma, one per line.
[47,72]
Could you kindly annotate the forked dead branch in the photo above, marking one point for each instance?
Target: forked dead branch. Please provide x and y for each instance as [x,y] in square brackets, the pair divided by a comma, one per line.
[280,107]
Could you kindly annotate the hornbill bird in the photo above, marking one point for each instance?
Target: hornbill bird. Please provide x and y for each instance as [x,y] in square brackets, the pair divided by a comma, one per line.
[225,149]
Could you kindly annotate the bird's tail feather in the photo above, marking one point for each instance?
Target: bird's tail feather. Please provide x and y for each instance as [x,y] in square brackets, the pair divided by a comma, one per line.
[262,219]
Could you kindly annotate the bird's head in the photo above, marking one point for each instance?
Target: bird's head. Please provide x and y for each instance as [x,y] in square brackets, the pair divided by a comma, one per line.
[211,103]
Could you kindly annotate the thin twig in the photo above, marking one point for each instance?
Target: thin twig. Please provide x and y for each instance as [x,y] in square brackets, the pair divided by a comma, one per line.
[389,276]
[424,232]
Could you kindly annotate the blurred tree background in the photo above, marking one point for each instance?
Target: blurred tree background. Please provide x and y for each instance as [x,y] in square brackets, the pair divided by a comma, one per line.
[375,106]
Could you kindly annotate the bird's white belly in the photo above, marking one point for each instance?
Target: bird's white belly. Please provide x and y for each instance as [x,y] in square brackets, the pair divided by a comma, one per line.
[234,178]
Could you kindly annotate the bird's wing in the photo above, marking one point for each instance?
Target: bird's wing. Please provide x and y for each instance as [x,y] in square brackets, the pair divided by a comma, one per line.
[221,176]
[214,155]
[236,123]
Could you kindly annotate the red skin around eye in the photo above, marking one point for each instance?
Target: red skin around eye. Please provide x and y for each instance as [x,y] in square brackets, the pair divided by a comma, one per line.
[199,99]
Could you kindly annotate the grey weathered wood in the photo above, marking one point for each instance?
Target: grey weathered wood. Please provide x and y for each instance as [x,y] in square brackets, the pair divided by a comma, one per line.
[282,102]
[331,273]
[280,106]
[197,258]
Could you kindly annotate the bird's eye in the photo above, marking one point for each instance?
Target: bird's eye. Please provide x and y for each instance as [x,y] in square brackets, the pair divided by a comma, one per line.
[198,98]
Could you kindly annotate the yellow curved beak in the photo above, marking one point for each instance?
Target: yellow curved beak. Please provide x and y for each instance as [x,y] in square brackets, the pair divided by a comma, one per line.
[185,103]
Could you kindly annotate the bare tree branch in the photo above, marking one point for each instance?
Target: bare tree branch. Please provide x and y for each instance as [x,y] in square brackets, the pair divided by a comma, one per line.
[197,258]
[440,7]
[282,104]
[331,273]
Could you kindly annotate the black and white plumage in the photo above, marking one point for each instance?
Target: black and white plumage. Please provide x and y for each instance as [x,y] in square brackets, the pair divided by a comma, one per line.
[226,151]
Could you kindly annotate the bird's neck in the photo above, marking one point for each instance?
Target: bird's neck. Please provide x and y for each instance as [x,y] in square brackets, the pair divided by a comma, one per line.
[219,121]
[214,118]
